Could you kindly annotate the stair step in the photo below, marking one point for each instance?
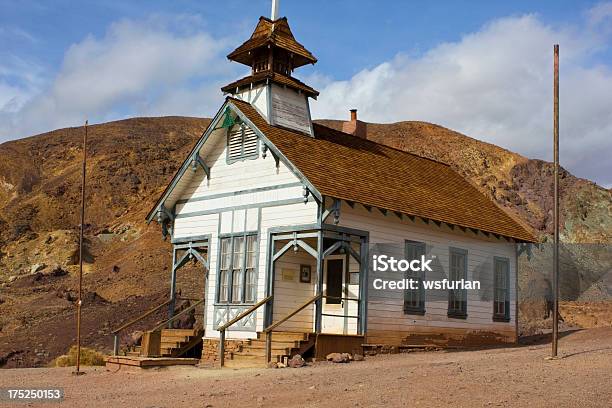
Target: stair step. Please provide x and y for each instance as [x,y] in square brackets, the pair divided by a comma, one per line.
[275,344]
[176,338]
[171,344]
[285,336]
[245,357]
[262,352]
[179,332]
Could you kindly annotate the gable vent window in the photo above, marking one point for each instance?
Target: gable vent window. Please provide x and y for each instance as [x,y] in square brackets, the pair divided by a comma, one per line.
[242,144]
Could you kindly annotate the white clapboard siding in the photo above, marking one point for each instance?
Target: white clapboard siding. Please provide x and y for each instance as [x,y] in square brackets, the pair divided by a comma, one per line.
[290,109]
[257,97]
[290,293]
[385,307]
[234,200]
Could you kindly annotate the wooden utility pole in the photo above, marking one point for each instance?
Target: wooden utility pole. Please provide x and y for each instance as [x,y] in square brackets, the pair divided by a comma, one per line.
[555,338]
[79,301]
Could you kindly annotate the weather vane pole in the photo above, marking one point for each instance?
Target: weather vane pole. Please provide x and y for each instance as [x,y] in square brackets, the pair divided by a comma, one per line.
[274,14]
[555,339]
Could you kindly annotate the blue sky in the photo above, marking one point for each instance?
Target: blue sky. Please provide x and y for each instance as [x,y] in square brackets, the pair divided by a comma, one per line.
[479,67]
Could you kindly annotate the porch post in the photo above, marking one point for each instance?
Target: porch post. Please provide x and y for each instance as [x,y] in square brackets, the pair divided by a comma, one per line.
[319,302]
[206,286]
[269,308]
[363,286]
[172,285]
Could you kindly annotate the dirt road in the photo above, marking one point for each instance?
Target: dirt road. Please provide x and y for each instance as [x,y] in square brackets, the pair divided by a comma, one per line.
[516,377]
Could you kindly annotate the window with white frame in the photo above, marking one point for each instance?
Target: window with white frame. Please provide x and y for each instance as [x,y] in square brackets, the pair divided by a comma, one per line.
[414,299]
[501,289]
[457,298]
[238,269]
[242,144]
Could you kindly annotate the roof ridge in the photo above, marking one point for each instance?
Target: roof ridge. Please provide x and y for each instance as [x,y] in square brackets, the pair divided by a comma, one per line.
[496,219]
[384,145]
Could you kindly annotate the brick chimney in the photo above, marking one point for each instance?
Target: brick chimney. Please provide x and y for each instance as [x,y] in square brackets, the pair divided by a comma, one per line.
[355,127]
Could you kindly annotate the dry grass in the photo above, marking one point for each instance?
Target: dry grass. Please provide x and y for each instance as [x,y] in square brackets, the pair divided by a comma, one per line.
[89,357]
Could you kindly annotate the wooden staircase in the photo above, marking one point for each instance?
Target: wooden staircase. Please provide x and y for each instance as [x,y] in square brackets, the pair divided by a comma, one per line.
[174,342]
[284,346]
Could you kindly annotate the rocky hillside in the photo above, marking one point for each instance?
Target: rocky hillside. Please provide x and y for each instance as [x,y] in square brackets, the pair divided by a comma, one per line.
[127,268]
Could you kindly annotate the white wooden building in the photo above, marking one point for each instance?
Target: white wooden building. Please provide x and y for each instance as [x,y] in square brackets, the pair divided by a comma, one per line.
[283,213]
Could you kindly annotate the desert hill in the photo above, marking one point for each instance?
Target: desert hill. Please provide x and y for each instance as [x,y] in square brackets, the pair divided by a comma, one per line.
[127,269]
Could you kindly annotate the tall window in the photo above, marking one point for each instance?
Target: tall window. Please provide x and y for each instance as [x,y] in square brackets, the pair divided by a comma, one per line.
[457,298]
[501,289]
[251,269]
[224,265]
[414,299]
[238,269]
[242,144]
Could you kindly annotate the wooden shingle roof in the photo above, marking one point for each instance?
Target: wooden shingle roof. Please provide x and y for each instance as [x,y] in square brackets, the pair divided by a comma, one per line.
[274,77]
[349,168]
[277,33]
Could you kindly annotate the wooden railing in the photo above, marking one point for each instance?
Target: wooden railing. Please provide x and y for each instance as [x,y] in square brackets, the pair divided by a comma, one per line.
[176,316]
[235,320]
[116,332]
[268,330]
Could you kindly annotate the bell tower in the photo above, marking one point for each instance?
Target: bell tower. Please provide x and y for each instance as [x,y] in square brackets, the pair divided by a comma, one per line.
[273,54]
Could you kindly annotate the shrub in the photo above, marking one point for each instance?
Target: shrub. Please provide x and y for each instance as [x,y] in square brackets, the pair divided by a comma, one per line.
[89,357]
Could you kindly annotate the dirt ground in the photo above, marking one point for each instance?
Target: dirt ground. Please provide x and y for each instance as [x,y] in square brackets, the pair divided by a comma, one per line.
[505,377]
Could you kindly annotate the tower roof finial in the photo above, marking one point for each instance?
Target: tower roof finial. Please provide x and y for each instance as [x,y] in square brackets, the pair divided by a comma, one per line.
[274,14]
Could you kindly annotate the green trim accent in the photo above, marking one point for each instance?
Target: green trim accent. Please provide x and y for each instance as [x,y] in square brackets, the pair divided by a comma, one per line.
[239,192]
[228,120]
[275,150]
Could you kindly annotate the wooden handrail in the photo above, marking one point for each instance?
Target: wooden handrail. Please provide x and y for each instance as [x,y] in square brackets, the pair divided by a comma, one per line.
[293,313]
[236,319]
[182,312]
[245,313]
[146,314]
[268,330]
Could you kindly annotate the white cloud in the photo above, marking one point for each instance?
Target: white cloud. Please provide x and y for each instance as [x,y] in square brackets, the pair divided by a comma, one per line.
[135,69]
[496,85]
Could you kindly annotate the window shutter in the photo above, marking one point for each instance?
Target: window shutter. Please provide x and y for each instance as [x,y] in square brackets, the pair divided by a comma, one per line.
[250,144]
[242,144]
[234,144]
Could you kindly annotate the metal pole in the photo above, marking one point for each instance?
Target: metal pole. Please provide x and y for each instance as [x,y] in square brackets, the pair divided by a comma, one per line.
[172,288]
[222,348]
[79,301]
[116,345]
[555,339]
[268,346]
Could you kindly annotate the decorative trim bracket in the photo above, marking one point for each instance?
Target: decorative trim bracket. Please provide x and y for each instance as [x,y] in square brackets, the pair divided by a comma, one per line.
[305,193]
[197,160]
[165,217]
[335,210]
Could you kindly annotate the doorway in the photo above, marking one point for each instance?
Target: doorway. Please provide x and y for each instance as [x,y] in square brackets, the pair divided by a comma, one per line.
[335,286]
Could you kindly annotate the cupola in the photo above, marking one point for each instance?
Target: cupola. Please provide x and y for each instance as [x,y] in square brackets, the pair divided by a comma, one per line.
[273,53]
